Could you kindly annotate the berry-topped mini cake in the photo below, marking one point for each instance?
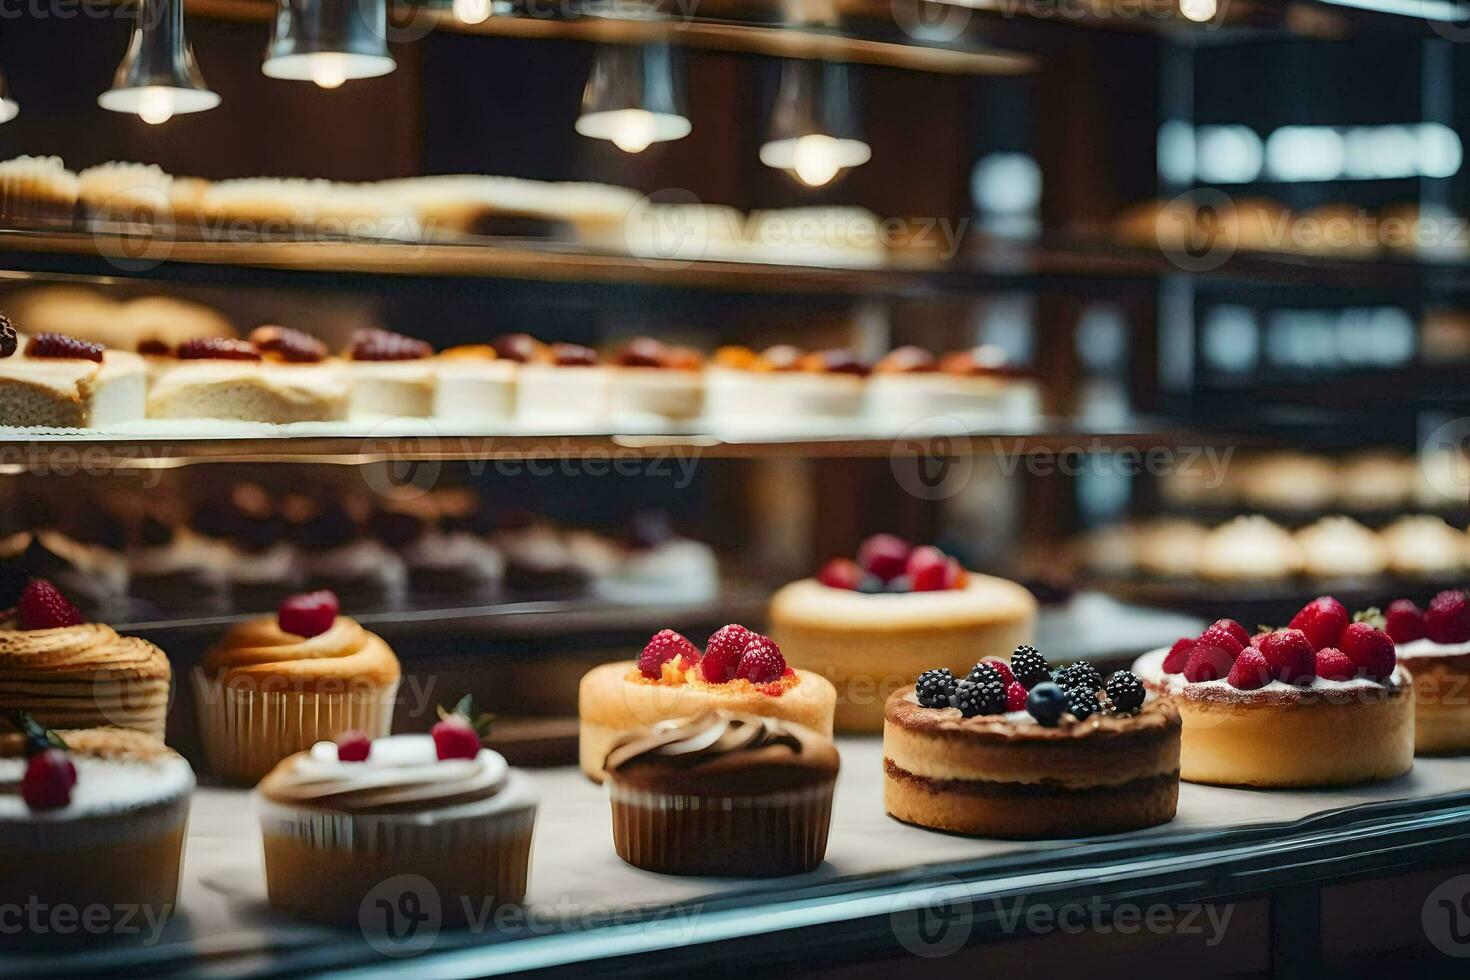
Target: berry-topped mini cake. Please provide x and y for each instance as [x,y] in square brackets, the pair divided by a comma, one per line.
[279,375]
[784,383]
[1322,702]
[560,384]
[91,818]
[1013,749]
[1433,644]
[475,382]
[739,670]
[57,381]
[910,384]
[72,674]
[651,379]
[278,684]
[870,625]
[347,815]
[389,375]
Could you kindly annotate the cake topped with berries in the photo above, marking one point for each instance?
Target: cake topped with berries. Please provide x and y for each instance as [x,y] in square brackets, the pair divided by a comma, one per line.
[1433,644]
[277,375]
[1016,748]
[738,670]
[1328,684]
[52,380]
[95,772]
[873,622]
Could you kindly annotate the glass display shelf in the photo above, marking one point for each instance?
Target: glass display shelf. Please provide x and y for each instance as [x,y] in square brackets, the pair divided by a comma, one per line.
[588,912]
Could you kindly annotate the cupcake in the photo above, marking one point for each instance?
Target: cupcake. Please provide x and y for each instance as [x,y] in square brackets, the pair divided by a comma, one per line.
[1249,547]
[1423,545]
[339,555]
[134,193]
[37,191]
[342,818]
[1340,547]
[71,674]
[169,563]
[279,684]
[724,793]
[92,818]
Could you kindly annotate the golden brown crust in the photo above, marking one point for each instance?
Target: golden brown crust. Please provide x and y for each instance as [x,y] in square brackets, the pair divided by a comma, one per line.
[87,650]
[259,651]
[115,744]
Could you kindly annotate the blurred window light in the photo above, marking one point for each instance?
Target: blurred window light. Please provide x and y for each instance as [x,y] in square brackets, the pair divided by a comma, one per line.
[1440,151]
[1232,339]
[1176,152]
[1102,337]
[1394,336]
[1295,153]
[1441,10]
[1236,155]
[1006,183]
[1229,154]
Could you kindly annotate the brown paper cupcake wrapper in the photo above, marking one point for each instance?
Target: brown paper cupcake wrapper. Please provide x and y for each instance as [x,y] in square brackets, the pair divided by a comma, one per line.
[246,732]
[760,836]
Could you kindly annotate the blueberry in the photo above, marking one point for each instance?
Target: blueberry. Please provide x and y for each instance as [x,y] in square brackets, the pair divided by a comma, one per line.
[1046,703]
[871,585]
[900,584]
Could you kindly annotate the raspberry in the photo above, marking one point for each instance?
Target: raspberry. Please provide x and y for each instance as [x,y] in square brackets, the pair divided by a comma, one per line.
[354,746]
[1250,670]
[286,344]
[1082,703]
[1334,665]
[1046,702]
[573,355]
[153,347]
[986,696]
[722,653]
[884,555]
[61,346]
[1029,666]
[1322,620]
[665,646]
[1290,655]
[8,337]
[217,349]
[308,614]
[1000,667]
[518,347]
[42,607]
[1221,635]
[1371,650]
[1448,618]
[1207,662]
[935,687]
[1178,655]
[644,352]
[1015,696]
[384,345]
[929,569]
[1125,692]
[1081,675]
[48,780]
[1404,621]
[761,662]
[455,739]
[840,573]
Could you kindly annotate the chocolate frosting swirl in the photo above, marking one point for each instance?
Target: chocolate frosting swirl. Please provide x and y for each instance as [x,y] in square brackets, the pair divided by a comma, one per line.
[708,736]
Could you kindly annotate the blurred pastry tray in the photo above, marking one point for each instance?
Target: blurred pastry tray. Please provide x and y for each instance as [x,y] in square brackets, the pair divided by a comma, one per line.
[1269,601]
[588,913]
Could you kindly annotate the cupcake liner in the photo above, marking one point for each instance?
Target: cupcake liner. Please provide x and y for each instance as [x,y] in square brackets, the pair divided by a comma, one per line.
[247,731]
[753,836]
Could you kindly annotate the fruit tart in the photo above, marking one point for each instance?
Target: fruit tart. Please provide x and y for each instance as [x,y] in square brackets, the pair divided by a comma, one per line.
[1321,702]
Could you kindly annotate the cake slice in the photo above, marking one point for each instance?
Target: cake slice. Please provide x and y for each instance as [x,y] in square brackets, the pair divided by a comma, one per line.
[57,381]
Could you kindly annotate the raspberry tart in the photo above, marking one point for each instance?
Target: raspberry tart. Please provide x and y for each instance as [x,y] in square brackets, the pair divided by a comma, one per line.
[56,381]
[1014,749]
[1433,644]
[723,793]
[346,815]
[1321,702]
[870,625]
[279,684]
[277,376]
[739,670]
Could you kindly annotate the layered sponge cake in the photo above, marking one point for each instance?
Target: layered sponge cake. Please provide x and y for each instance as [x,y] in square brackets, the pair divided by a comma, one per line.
[1433,644]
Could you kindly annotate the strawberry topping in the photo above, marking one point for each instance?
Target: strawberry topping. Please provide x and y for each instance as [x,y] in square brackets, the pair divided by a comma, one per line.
[1322,620]
[1290,655]
[1405,621]
[1334,665]
[666,645]
[1371,650]
[1448,618]
[1178,655]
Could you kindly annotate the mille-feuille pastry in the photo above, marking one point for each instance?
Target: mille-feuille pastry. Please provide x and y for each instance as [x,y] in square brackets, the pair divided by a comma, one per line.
[1423,545]
[341,817]
[277,376]
[68,673]
[1013,749]
[651,379]
[739,670]
[783,382]
[722,793]
[1340,547]
[279,684]
[55,381]
[92,819]
[389,376]
[474,382]
[1433,644]
[1249,547]
[1322,702]
[869,626]
[37,191]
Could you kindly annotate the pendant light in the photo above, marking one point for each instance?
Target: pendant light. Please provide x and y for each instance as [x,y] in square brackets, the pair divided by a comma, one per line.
[632,98]
[9,108]
[158,77]
[329,41]
[814,131]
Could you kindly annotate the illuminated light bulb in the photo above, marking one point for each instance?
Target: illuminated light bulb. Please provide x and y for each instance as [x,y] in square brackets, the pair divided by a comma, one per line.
[472,11]
[634,130]
[328,72]
[156,106]
[1199,11]
[815,159]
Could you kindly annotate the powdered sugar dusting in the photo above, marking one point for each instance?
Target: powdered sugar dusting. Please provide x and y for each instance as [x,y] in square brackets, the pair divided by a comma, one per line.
[1150,670]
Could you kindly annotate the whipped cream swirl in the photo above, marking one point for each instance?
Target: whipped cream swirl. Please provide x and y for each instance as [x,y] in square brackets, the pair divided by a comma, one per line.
[402,773]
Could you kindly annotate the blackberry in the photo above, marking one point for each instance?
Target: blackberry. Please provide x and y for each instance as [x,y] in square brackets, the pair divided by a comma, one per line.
[1082,703]
[1125,691]
[1080,674]
[1046,702]
[983,672]
[1029,665]
[984,697]
[935,687]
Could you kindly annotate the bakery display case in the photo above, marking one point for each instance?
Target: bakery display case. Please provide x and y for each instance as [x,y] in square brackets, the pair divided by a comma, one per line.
[624,489]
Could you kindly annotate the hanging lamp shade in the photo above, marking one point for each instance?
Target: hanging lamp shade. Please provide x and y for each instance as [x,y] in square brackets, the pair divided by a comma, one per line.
[814,131]
[633,98]
[329,41]
[9,108]
[158,77]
